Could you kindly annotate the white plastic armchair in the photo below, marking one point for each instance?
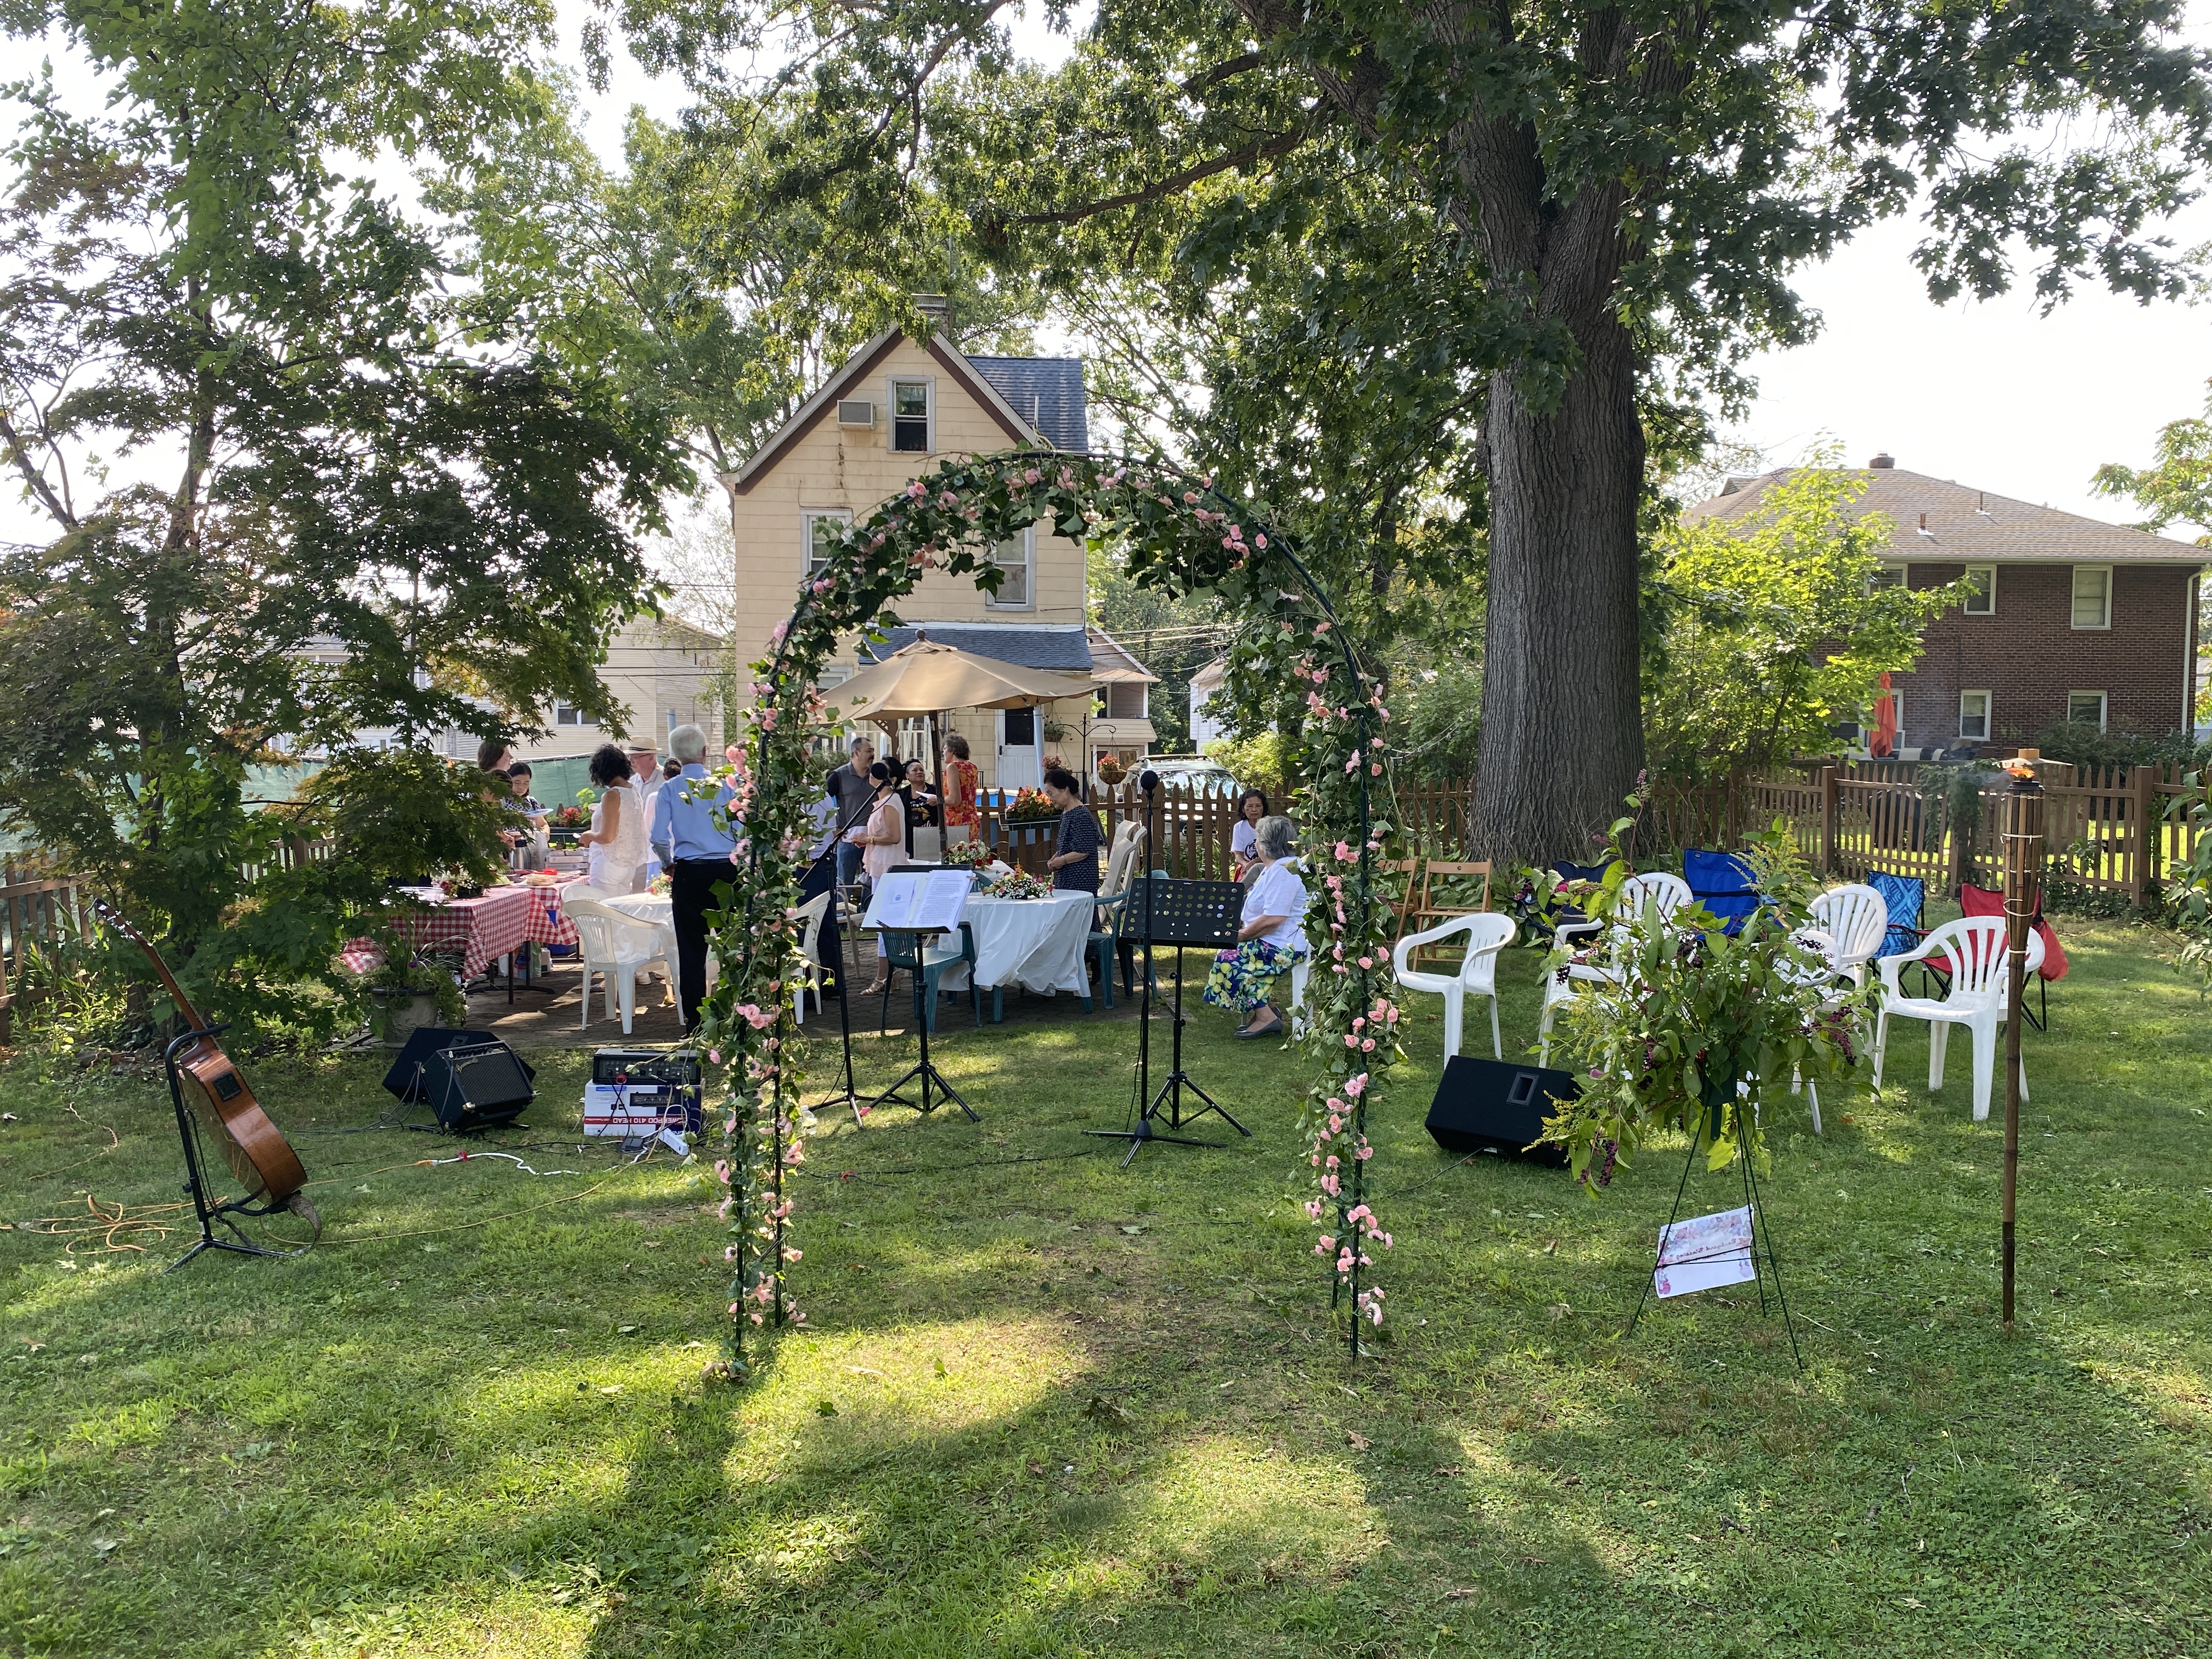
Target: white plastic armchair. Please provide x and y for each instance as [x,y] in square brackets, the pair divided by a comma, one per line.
[1488,934]
[615,946]
[1975,947]
[1653,888]
[1856,918]
[1654,892]
[809,974]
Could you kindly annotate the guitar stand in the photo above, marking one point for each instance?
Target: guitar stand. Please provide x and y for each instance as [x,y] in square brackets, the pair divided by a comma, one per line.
[921,1069]
[209,1210]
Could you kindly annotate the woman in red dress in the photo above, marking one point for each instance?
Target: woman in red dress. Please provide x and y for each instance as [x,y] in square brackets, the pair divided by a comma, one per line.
[961,780]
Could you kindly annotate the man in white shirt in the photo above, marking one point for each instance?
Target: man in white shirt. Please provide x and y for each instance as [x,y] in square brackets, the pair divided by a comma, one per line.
[645,783]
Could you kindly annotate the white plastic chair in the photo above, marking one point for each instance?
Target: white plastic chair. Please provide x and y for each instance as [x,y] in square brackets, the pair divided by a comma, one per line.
[1487,934]
[616,946]
[808,917]
[1856,918]
[1975,946]
[1654,891]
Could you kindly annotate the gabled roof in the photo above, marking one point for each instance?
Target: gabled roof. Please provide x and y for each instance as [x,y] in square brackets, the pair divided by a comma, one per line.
[1043,395]
[1972,526]
[1046,391]
[1059,646]
[1111,662]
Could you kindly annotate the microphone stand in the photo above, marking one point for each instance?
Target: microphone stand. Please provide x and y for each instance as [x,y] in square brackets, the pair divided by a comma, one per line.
[848,1096]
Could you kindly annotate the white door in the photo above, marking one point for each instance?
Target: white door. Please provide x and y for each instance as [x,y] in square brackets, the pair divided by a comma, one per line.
[1020,765]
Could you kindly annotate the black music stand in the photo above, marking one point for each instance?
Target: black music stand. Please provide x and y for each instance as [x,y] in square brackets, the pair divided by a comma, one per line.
[1206,913]
[847,1096]
[921,1069]
[203,1203]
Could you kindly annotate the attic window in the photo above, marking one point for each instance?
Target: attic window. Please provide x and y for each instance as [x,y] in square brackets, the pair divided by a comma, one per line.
[910,416]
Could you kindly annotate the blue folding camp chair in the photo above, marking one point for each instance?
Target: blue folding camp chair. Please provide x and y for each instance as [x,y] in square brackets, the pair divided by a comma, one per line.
[1905,897]
[1724,885]
[1534,923]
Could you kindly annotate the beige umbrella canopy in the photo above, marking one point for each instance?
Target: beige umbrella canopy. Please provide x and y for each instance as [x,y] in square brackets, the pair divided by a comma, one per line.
[926,677]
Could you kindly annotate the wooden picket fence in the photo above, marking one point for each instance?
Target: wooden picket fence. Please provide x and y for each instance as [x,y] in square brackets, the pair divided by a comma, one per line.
[39,910]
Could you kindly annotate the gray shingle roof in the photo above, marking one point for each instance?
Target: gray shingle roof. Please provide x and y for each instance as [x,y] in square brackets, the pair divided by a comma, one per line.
[1047,392]
[1973,526]
[1064,648]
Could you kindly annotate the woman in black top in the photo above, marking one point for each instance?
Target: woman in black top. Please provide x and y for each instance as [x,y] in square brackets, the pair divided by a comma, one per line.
[1074,860]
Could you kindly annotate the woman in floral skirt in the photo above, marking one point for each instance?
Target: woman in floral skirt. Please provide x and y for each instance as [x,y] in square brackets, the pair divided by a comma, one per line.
[1271,942]
[962,781]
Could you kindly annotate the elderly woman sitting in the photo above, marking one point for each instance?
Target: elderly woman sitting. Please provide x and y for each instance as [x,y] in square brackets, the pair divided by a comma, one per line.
[1271,942]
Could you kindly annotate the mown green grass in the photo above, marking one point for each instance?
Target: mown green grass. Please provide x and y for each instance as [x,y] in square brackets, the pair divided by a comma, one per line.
[445,1442]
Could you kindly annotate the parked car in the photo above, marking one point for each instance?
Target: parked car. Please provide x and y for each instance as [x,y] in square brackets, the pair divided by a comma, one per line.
[1193,772]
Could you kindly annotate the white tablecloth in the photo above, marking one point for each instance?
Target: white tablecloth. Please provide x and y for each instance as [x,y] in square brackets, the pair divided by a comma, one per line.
[1036,944]
[651,908]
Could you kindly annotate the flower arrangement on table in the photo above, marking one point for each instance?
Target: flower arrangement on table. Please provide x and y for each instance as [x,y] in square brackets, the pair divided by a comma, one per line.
[968,855]
[1019,885]
[569,817]
[1030,806]
[663,884]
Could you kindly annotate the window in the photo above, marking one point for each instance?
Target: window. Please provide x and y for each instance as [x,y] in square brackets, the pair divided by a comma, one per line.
[910,416]
[2093,596]
[1974,715]
[1017,560]
[1887,575]
[1122,700]
[816,527]
[2086,708]
[1981,590]
[566,713]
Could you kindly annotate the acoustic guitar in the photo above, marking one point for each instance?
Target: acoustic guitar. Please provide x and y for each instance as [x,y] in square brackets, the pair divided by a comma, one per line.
[258,1155]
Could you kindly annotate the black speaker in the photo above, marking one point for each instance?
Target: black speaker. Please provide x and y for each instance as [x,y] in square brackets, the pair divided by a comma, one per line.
[405,1080]
[478,1085]
[1491,1106]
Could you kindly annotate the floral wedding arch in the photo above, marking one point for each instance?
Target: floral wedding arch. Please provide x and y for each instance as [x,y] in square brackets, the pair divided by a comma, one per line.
[1291,654]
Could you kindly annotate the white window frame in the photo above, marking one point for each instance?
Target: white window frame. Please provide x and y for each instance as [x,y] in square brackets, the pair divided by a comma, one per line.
[1892,574]
[1990,593]
[992,602]
[1988,716]
[807,517]
[2073,602]
[2104,705]
[566,713]
[928,385]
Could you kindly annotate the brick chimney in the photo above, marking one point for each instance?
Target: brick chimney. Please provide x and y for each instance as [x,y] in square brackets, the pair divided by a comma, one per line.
[935,306]
[1883,462]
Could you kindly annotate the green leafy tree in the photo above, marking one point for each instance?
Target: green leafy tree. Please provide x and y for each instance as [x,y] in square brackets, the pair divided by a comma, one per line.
[2177,489]
[1623,191]
[292,498]
[1774,629]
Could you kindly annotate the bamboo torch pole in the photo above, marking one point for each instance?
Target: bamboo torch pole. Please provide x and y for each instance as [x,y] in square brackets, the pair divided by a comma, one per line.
[2023,870]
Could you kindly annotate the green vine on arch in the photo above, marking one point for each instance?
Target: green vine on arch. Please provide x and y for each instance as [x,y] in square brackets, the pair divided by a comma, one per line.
[1181,532]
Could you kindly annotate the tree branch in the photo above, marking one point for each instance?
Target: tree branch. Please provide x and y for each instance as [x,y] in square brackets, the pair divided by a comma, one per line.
[1281,143]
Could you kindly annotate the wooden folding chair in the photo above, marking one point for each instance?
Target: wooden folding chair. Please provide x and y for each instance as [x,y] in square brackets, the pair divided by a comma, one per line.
[1411,870]
[1425,908]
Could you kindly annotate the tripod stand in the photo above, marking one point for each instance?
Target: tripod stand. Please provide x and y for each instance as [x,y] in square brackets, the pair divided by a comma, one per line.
[1180,913]
[847,1096]
[921,1070]
[203,1205]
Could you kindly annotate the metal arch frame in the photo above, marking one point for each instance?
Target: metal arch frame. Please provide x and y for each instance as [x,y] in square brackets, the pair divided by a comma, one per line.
[1282,548]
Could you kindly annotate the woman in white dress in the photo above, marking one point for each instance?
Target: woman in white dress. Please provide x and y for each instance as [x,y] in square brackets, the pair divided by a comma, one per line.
[616,837]
[1272,940]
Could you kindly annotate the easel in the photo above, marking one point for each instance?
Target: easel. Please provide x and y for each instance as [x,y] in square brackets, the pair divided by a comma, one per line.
[921,1068]
[1762,1237]
[203,1205]
[1206,914]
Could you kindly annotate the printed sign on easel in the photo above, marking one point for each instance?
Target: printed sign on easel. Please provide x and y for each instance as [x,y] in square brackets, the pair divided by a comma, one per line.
[1704,1252]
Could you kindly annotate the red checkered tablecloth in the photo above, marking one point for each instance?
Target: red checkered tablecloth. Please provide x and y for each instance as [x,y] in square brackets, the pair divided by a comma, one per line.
[481,929]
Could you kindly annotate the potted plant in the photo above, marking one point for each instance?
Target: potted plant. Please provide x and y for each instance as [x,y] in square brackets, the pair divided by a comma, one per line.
[412,988]
[1691,1027]
[564,824]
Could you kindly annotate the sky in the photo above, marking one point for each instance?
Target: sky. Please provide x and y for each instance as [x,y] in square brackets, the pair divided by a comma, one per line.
[1992,395]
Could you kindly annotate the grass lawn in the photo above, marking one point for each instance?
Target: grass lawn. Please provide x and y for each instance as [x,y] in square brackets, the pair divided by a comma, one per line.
[1045,1407]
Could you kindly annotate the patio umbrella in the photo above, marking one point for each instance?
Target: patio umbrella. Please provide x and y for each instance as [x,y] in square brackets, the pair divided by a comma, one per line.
[929,679]
[1885,722]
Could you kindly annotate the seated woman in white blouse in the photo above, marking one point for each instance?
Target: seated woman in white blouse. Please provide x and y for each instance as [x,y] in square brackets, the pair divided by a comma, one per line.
[1271,942]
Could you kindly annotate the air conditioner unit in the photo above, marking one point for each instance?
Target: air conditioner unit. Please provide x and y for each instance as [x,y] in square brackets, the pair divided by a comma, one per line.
[855,411]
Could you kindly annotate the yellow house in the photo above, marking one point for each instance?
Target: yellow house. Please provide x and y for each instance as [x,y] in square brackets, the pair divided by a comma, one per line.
[899,408]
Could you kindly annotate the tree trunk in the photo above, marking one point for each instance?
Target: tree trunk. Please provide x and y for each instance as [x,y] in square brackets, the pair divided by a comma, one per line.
[1562,728]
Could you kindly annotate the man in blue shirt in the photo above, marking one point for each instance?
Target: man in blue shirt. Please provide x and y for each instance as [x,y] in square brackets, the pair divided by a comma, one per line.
[689,819]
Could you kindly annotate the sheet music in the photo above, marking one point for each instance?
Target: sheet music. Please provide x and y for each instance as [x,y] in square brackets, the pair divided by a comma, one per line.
[922,902]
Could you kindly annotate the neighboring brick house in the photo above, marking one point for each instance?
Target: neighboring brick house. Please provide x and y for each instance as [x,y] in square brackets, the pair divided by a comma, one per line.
[2070,617]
